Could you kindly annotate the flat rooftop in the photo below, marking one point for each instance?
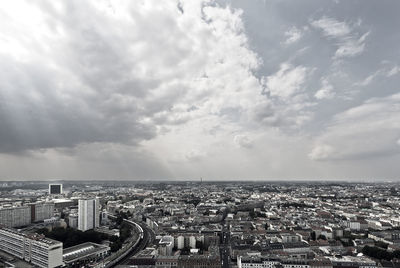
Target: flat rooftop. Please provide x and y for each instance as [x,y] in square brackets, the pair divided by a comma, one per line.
[35,236]
[82,250]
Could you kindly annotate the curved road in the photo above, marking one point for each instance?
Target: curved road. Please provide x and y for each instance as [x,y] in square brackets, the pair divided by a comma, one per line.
[147,238]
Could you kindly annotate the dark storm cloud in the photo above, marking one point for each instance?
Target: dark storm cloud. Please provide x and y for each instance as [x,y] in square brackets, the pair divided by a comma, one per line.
[81,84]
[35,114]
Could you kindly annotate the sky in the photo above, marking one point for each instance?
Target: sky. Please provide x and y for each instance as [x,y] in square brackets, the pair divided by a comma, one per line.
[183,90]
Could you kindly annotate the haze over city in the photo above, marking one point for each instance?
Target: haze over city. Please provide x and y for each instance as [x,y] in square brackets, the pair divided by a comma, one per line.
[183,90]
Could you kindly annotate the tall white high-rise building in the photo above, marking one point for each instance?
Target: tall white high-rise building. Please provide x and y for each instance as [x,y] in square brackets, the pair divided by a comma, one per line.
[88,214]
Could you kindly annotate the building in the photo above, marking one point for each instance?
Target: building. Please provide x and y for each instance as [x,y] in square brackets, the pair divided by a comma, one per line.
[180,242]
[320,263]
[166,245]
[104,218]
[73,220]
[290,238]
[36,249]
[192,241]
[352,261]
[257,262]
[79,255]
[15,216]
[271,262]
[25,215]
[64,203]
[55,188]
[199,261]
[41,211]
[167,261]
[88,214]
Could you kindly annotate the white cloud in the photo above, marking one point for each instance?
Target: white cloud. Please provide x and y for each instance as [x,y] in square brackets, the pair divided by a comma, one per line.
[243,141]
[102,73]
[383,72]
[326,92]
[101,89]
[321,152]
[195,155]
[368,130]
[348,41]
[368,80]
[351,47]
[292,35]
[115,89]
[287,81]
[332,28]
[395,70]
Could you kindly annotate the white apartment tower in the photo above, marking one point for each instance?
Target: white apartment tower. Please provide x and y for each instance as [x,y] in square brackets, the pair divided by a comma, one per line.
[88,214]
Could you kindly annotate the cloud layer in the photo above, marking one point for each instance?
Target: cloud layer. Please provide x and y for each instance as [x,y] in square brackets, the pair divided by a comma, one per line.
[368,130]
[188,89]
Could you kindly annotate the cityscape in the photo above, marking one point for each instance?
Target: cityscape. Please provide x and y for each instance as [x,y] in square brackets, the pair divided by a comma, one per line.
[200,134]
[200,224]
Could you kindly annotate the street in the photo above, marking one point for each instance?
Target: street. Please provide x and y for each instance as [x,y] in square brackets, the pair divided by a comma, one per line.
[224,247]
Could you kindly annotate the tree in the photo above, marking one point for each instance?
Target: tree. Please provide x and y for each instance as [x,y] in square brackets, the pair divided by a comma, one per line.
[313,236]
[381,244]
[322,237]
[379,253]
[71,237]
[252,214]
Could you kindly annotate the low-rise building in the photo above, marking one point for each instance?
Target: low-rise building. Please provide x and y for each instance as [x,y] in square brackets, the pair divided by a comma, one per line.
[36,249]
[79,255]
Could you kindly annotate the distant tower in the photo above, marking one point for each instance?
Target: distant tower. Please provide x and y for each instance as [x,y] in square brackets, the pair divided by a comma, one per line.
[88,214]
[55,188]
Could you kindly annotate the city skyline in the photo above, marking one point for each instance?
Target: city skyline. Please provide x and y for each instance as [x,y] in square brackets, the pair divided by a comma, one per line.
[226,224]
[183,90]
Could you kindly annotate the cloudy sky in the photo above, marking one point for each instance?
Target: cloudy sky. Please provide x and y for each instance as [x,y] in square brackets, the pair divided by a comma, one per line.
[261,89]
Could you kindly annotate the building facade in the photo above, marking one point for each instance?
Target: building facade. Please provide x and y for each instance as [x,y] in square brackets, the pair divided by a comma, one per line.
[88,214]
[55,188]
[25,215]
[41,211]
[36,249]
[15,216]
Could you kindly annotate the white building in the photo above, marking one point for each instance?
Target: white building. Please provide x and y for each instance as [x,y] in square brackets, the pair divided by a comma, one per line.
[88,214]
[86,253]
[73,220]
[166,245]
[18,216]
[104,217]
[36,249]
[42,211]
[180,242]
[256,262]
[290,237]
[192,241]
[15,216]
